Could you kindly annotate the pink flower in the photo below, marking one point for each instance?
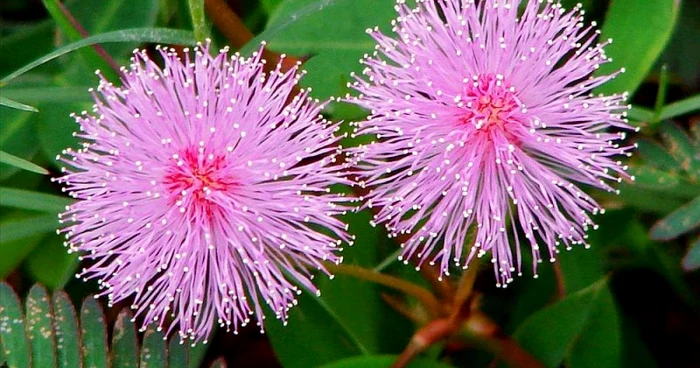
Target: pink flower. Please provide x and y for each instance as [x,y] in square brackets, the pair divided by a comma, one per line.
[483,120]
[203,190]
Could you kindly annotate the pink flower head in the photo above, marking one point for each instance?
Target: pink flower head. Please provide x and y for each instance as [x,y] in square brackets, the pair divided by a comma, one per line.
[203,190]
[483,120]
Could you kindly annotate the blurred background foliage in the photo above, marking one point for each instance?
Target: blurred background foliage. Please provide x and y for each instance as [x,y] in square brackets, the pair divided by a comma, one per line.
[629,301]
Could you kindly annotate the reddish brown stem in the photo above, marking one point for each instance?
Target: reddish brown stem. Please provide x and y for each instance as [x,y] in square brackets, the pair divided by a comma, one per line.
[559,276]
[228,22]
[231,25]
[482,329]
[421,294]
[464,299]
[84,33]
[509,351]
[403,309]
[443,288]
[425,337]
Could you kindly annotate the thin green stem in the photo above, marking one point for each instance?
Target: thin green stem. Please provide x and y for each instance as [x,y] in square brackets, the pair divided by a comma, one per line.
[388,261]
[199,23]
[661,93]
[682,107]
[424,296]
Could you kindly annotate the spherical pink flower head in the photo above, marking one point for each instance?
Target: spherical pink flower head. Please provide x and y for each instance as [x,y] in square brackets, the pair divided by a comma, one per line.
[203,190]
[483,120]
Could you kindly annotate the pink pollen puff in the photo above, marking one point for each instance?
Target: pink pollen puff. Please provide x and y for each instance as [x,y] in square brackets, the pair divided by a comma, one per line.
[203,190]
[483,119]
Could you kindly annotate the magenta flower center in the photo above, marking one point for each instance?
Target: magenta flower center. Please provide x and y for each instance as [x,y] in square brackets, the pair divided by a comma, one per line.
[489,103]
[193,177]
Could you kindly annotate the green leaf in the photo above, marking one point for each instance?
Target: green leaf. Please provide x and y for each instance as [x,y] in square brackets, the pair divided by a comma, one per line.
[153,351]
[105,16]
[40,327]
[695,132]
[13,336]
[278,22]
[668,264]
[94,332]
[551,345]
[377,328]
[178,354]
[655,154]
[599,344]
[93,59]
[20,163]
[39,35]
[531,295]
[679,108]
[50,264]
[48,94]
[196,353]
[17,229]
[661,93]
[691,261]
[649,177]
[677,223]
[382,361]
[14,251]
[141,35]
[640,30]
[55,129]
[30,200]
[4,101]
[345,295]
[124,342]
[304,321]
[270,5]
[637,113]
[305,25]
[54,8]
[635,352]
[680,147]
[15,130]
[622,232]
[67,332]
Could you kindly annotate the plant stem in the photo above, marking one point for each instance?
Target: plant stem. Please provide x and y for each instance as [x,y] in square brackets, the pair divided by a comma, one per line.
[660,94]
[442,287]
[418,317]
[228,22]
[199,23]
[487,334]
[463,295]
[423,295]
[75,31]
[512,353]
[425,337]
[559,276]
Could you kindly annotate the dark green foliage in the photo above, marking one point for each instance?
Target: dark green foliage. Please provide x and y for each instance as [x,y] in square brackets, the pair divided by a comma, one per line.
[47,333]
[39,324]
[14,339]
[68,340]
[652,225]
[124,342]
